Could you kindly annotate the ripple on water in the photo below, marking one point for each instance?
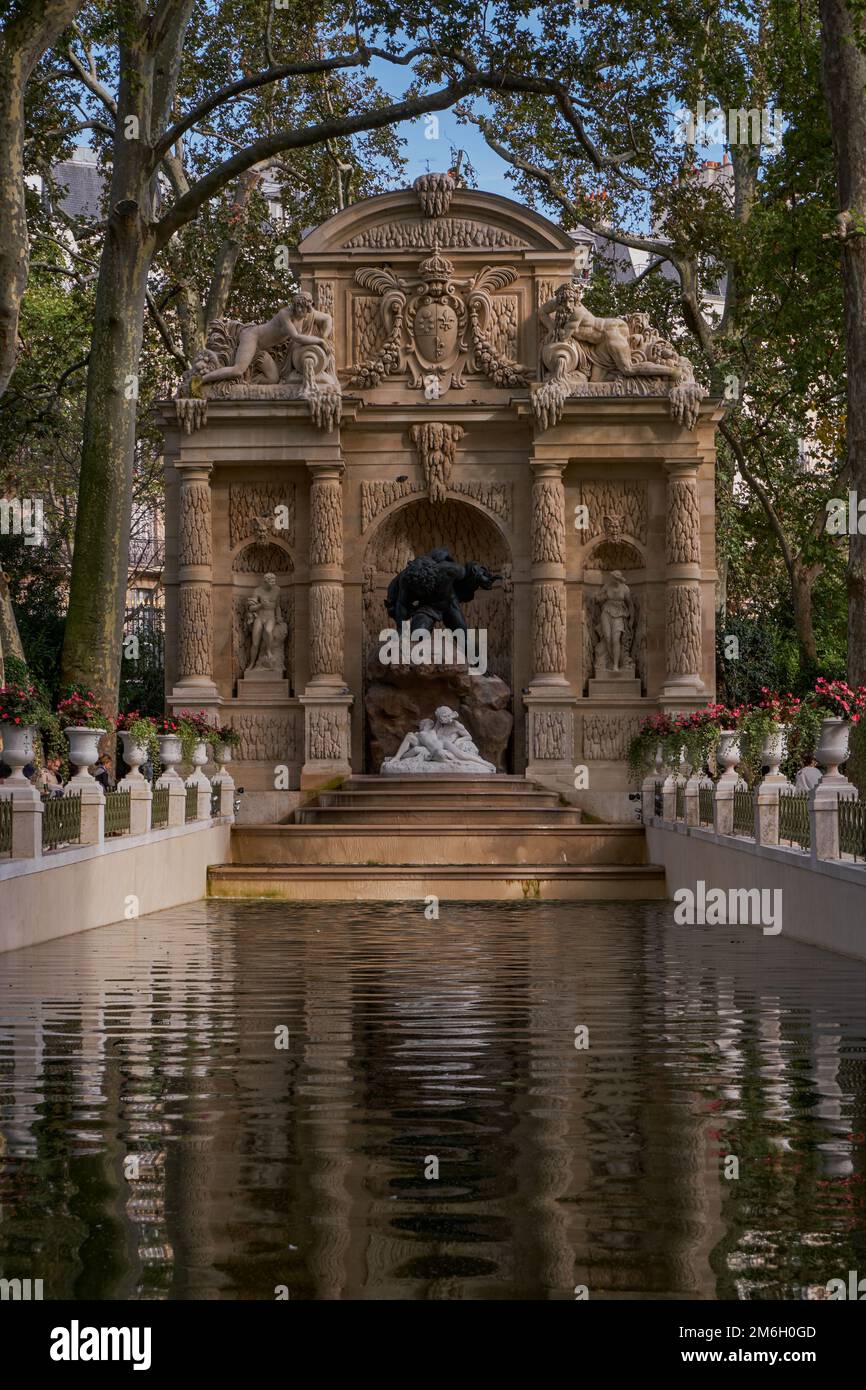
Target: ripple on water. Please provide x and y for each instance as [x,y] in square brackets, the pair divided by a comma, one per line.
[430,1130]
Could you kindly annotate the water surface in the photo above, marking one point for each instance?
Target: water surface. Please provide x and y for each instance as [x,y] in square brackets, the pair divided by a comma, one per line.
[157,1141]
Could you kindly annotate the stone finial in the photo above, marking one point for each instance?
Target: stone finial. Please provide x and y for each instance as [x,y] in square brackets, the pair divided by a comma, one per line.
[434,193]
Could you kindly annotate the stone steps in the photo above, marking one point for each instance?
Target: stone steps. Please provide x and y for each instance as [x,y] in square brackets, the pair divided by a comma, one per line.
[403,838]
[386,801]
[420,786]
[463,883]
[411,813]
[475,841]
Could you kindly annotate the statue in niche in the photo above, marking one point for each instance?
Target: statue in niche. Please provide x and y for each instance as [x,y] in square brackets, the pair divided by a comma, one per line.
[430,589]
[440,747]
[290,357]
[584,353]
[267,628]
[614,620]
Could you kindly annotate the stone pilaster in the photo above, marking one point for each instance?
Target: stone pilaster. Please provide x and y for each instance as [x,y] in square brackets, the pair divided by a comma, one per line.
[326,700]
[195,685]
[683,619]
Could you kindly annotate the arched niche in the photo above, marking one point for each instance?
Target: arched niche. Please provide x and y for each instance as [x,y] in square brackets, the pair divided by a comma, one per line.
[469,534]
[607,555]
[253,560]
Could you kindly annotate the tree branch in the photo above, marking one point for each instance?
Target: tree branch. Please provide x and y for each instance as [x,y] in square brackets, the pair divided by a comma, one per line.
[164,332]
[760,492]
[267,146]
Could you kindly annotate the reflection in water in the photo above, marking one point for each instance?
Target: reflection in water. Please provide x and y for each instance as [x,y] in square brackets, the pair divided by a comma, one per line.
[157,1142]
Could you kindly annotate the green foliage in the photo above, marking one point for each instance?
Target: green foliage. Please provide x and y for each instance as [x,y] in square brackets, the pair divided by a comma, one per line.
[754,726]
[142,680]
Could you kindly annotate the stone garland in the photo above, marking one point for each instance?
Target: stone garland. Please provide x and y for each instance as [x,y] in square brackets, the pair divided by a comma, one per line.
[435,233]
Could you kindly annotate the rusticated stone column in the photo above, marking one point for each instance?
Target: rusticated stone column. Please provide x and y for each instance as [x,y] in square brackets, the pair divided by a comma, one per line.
[548,574]
[326,575]
[549,701]
[683,622]
[325,700]
[195,576]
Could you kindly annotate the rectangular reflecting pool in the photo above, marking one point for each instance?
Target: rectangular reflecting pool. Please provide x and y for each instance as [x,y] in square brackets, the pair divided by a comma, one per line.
[256,1100]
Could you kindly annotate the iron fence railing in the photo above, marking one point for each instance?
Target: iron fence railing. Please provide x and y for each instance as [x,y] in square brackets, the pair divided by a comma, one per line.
[680,804]
[159,807]
[61,820]
[794,824]
[658,799]
[744,812]
[191,808]
[215,799]
[6,825]
[852,827]
[117,812]
[705,805]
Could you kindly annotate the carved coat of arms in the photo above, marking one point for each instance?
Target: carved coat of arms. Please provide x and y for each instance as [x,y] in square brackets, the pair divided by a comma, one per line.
[434,325]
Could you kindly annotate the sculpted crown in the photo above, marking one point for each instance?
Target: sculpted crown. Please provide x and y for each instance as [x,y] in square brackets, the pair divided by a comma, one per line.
[436,268]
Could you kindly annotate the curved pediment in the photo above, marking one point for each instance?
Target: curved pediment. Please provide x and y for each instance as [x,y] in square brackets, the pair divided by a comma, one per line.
[456,219]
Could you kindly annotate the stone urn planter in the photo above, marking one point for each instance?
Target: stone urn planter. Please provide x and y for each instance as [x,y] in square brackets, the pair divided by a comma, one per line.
[773,750]
[170,754]
[84,751]
[684,767]
[134,754]
[659,762]
[222,754]
[17,750]
[198,760]
[728,751]
[832,746]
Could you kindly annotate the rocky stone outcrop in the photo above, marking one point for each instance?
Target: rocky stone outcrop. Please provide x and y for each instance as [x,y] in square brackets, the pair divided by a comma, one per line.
[399,697]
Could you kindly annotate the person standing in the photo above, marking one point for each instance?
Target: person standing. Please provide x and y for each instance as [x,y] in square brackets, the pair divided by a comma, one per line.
[808,777]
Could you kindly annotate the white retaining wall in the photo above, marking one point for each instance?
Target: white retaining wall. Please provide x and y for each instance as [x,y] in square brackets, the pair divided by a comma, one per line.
[823,901]
[88,886]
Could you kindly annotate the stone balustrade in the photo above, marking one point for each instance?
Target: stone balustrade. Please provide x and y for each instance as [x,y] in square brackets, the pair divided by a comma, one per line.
[827,823]
[30,827]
